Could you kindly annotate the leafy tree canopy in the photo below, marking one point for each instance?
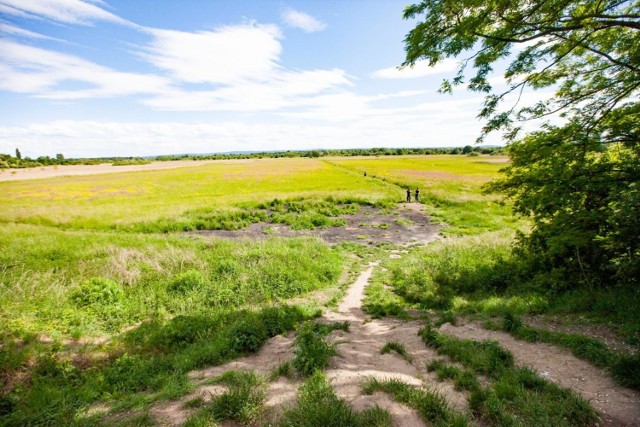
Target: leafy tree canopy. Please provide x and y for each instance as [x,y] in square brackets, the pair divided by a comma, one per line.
[578,176]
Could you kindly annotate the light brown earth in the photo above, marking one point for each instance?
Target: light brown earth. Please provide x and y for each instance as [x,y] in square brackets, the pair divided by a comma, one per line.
[359,358]
[73,170]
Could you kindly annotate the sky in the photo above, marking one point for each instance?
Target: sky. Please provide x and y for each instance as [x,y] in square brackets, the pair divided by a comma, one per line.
[99,78]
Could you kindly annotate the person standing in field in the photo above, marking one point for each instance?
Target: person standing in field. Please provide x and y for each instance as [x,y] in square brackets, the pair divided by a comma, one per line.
[408,195]
[417,195]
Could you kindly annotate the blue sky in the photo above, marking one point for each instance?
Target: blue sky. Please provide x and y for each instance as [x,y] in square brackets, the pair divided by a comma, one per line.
[125,78]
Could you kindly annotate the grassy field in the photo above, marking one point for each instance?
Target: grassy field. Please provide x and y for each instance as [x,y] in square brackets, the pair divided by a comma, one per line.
[103,300]
[451,188]
[106,201]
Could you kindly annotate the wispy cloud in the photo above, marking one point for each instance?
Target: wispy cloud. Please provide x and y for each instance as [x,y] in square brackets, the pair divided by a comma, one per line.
[303,21]
[65,11]
[12,30]
[420,69]
[282,89]
[33,70]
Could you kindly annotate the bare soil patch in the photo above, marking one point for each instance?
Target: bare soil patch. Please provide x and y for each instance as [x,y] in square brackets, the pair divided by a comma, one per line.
[75,170]
[406,224]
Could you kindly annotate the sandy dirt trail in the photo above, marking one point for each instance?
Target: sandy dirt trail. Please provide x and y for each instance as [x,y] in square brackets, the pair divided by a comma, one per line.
[359,358]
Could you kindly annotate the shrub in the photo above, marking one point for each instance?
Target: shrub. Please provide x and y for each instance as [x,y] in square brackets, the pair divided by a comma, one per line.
[187,281]
[248,335]
[97,291]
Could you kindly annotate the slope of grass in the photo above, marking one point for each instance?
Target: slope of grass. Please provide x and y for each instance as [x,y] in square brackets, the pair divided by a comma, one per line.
[48,277]
[625,368]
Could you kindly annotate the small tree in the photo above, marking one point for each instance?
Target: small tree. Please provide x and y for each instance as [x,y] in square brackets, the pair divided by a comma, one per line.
[18,154]
[60,157]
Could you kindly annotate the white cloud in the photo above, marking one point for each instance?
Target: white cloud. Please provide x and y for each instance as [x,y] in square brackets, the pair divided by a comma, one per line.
[65,11]
[28,69]
[96,139]
[12,30]
[281,89]
[225,55]
[304,21]
[238,67]
[420,69]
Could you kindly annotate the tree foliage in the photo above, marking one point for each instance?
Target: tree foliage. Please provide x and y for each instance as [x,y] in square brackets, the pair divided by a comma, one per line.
[578,175]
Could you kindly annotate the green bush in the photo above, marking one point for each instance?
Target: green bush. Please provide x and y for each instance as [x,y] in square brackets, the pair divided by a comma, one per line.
[248,336]
[97,291]
[187,281]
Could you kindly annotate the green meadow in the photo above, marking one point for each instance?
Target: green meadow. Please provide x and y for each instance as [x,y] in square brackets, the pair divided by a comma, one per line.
[451,188]
[109,200]
[106,302]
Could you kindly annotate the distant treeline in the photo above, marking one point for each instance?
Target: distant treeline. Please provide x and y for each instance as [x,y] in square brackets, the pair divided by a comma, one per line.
[7,161]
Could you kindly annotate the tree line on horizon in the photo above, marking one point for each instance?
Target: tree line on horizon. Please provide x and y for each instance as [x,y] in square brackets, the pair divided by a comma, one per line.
[8,161]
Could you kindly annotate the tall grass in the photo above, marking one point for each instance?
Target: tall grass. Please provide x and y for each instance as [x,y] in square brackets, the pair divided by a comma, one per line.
[47,277]
[480,275]
[192,302]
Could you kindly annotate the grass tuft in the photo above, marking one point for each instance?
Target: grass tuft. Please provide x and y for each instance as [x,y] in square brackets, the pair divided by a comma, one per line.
[242,402]
[312,352]
[318,406]
[432,407]
[398,348]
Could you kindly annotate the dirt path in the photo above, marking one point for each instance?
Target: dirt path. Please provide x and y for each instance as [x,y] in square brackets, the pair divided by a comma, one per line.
[359,358]
[619,406]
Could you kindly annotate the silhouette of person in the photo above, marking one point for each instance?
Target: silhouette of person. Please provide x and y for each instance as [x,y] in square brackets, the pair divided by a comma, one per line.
[408,195]
[417,194]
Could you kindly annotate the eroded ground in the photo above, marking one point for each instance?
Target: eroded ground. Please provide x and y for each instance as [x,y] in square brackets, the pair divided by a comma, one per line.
[405,224]
[359,358]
